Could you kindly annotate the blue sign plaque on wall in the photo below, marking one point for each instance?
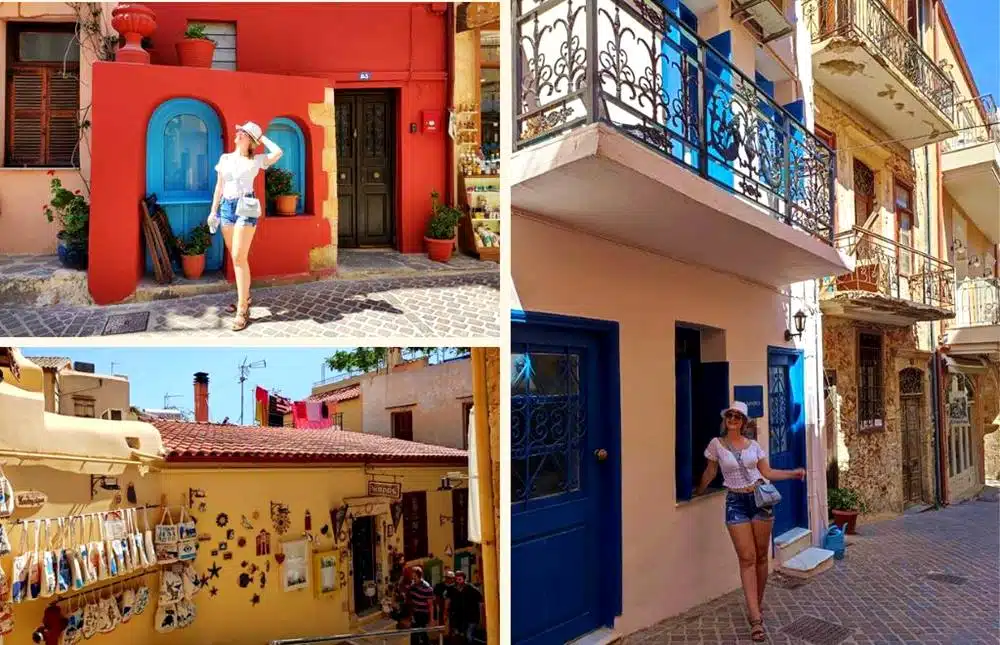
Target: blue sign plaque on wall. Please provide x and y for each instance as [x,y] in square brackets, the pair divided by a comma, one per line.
[753,396]
[364,76]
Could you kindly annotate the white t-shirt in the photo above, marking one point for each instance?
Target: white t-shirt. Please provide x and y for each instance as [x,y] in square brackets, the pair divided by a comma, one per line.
[238,173]
[732,474]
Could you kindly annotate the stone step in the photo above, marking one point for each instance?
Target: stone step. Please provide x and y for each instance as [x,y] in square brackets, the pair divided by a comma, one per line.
[809,563]
[790,543]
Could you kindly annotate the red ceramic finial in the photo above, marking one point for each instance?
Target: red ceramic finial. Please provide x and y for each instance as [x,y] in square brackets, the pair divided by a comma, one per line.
[134,22]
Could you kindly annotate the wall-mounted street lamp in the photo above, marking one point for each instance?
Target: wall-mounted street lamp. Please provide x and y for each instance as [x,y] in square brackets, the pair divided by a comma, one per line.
[800,326]
[103,482]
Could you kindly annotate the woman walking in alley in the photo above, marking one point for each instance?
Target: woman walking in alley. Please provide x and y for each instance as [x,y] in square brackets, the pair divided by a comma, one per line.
[238,209]
[745,468]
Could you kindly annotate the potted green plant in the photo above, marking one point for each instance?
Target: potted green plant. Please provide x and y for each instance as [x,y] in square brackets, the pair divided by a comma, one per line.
[440,237]
[278,183]
[196,49]
[72,211]
[193,251]
[845,504]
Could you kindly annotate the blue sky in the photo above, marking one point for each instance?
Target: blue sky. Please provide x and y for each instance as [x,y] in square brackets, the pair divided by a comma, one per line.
[154,372]
[977,23]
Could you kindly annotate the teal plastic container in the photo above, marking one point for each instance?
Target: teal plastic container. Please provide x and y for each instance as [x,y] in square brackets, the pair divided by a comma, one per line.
[834,541]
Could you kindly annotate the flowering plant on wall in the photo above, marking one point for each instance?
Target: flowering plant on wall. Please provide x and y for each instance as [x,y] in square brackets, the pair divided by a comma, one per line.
[72,211]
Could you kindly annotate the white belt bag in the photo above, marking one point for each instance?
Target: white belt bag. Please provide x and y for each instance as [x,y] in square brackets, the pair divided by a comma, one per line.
[248,206]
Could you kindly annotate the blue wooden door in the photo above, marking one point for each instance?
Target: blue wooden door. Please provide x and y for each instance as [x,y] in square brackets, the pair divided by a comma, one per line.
[565,535]
[183,144]
[786,434]
[287,135]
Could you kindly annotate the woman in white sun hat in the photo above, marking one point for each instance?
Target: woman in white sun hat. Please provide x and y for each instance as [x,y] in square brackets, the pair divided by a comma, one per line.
[237,209]
[744,468]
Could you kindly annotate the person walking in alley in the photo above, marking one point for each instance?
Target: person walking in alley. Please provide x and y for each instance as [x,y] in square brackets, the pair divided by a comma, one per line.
[441,591]
[465,610]
[421,601]
[744,468]
[235,206]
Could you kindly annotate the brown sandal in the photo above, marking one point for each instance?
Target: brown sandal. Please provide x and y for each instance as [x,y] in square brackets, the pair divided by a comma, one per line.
[242,320]
[232,308]
[757,633]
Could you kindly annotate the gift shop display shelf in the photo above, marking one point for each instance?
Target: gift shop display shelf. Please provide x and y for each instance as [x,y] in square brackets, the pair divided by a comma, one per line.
[481,203]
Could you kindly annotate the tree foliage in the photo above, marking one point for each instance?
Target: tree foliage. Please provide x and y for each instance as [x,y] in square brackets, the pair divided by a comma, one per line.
[361,360]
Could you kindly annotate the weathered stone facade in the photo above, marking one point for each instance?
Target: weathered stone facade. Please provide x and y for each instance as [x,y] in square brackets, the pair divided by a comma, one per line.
[989,412]
[871,462]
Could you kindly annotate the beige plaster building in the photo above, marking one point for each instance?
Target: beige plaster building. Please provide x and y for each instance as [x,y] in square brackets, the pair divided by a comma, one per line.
[74,390]
[892,92]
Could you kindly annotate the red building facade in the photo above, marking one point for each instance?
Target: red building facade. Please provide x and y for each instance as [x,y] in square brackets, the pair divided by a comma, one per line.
[365,160]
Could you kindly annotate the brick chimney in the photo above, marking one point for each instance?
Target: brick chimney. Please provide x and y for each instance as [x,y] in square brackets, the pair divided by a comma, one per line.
[201,396]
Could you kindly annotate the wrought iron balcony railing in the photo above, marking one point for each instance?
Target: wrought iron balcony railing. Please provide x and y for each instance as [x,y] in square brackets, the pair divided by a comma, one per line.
[886,267]
[977,303]
[633,65]
[871,21]
[969,114]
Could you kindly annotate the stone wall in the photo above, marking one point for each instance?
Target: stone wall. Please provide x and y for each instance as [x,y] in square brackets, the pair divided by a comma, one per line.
[871,461]
[989,409]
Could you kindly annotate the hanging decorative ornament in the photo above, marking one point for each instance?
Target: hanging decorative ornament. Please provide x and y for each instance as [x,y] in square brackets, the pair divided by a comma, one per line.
[245,523]
[263,543]
[309,521]
[242,542]
[396,510]
[222,520]
[279,516]
[339,517]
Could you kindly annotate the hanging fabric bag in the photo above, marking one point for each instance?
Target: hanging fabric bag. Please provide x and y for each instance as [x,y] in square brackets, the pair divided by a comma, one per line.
[126,604]
[147,539]
[130,543]
[90,618]
[48,566]
[87,567]
[171,586]
[5,547]
[166,619]
[97,555]
[112,546]
[6,495]
[113,617]
[166,537]
[141,599]
[19,573]
[185,614]
[64,576]
[6,605]
[74,623]
[187,537]
[73,557]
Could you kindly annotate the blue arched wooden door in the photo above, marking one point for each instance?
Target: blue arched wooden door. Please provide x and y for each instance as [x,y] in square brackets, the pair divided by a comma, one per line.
[183,144]
[288,136]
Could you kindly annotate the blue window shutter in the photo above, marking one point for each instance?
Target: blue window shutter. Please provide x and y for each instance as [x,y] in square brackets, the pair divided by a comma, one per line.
[684,424]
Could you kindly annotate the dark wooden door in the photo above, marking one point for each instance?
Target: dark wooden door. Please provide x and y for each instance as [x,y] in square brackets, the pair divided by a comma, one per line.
[366,152]
[912,489]
[363,556]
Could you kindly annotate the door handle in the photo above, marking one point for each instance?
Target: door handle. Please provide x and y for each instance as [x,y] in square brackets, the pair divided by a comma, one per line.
[601,454]
[355,133]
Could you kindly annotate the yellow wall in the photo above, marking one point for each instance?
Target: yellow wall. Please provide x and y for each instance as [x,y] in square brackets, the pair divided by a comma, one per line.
[351,409]
[32,378]
[238,492]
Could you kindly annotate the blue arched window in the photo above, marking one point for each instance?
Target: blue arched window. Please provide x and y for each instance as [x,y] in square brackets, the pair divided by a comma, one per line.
[288,136]
[183,144]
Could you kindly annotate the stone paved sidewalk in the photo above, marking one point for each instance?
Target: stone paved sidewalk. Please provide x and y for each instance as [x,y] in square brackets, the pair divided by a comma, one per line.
[928,579]
[451,304]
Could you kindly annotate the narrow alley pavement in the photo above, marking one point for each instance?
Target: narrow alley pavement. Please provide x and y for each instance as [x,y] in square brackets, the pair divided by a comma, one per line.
[930,578]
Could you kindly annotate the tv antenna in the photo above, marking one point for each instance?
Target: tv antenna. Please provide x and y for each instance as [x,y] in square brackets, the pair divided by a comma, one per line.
[166,401]
[245,368]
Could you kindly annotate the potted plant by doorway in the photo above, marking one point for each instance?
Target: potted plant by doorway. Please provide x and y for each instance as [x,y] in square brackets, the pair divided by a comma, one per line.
[845,504]
[196,49]
[72,211]
[440,237]
[278,183]
[193,251]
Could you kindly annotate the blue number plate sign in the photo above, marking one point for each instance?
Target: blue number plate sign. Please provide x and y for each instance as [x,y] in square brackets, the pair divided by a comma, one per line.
[364,76]
[753,396]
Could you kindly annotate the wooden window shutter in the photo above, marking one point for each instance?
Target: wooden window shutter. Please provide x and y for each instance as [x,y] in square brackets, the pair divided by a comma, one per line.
[43,108]
[460,517]
[415,525]
[402,425]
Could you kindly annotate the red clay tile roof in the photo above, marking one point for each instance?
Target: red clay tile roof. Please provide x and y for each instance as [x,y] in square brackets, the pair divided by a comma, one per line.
[50,362]
[343,394]
[186,442]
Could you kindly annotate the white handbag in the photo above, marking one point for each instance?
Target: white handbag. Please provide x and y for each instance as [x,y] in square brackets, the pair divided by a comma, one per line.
[46,558]
[147,539]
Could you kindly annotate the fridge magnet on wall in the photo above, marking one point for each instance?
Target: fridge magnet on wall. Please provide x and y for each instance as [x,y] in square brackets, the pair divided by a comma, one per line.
[263,543]
[245,580]
[309,521]
[227,555]
[215,552]
[245,523]
[223,546]
[222,520]
[325,529]
[267,566]
[231,534]
[195,493]
[253,568]
[396,510]
[214,591]
[263,580]
[242,542]
[279,516]
[202,507]
[205,537]
[297,564]
[214,570]
[255,600]
[339,517]
[256,515]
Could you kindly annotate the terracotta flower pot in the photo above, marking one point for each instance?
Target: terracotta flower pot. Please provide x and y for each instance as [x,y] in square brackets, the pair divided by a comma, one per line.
[134,22]
[195,52]
[850,518]
[194,266]
[286,204]
[439,250]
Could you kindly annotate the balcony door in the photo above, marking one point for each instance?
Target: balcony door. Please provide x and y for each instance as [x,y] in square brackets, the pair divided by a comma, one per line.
[905,257]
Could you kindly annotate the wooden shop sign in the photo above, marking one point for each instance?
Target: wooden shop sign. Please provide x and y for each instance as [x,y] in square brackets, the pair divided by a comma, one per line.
[385,489]
[30,499]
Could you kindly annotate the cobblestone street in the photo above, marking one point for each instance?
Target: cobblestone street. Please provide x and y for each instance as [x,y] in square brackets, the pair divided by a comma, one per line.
[444,305]
[930,578]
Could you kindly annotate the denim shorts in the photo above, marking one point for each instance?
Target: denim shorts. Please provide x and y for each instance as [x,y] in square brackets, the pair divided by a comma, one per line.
[227,213]
[742,508]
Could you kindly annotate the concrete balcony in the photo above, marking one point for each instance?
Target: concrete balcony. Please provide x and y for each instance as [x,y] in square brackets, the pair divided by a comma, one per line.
[629,126]
[976,328]
[863,55]
[891,284]
[971,166]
